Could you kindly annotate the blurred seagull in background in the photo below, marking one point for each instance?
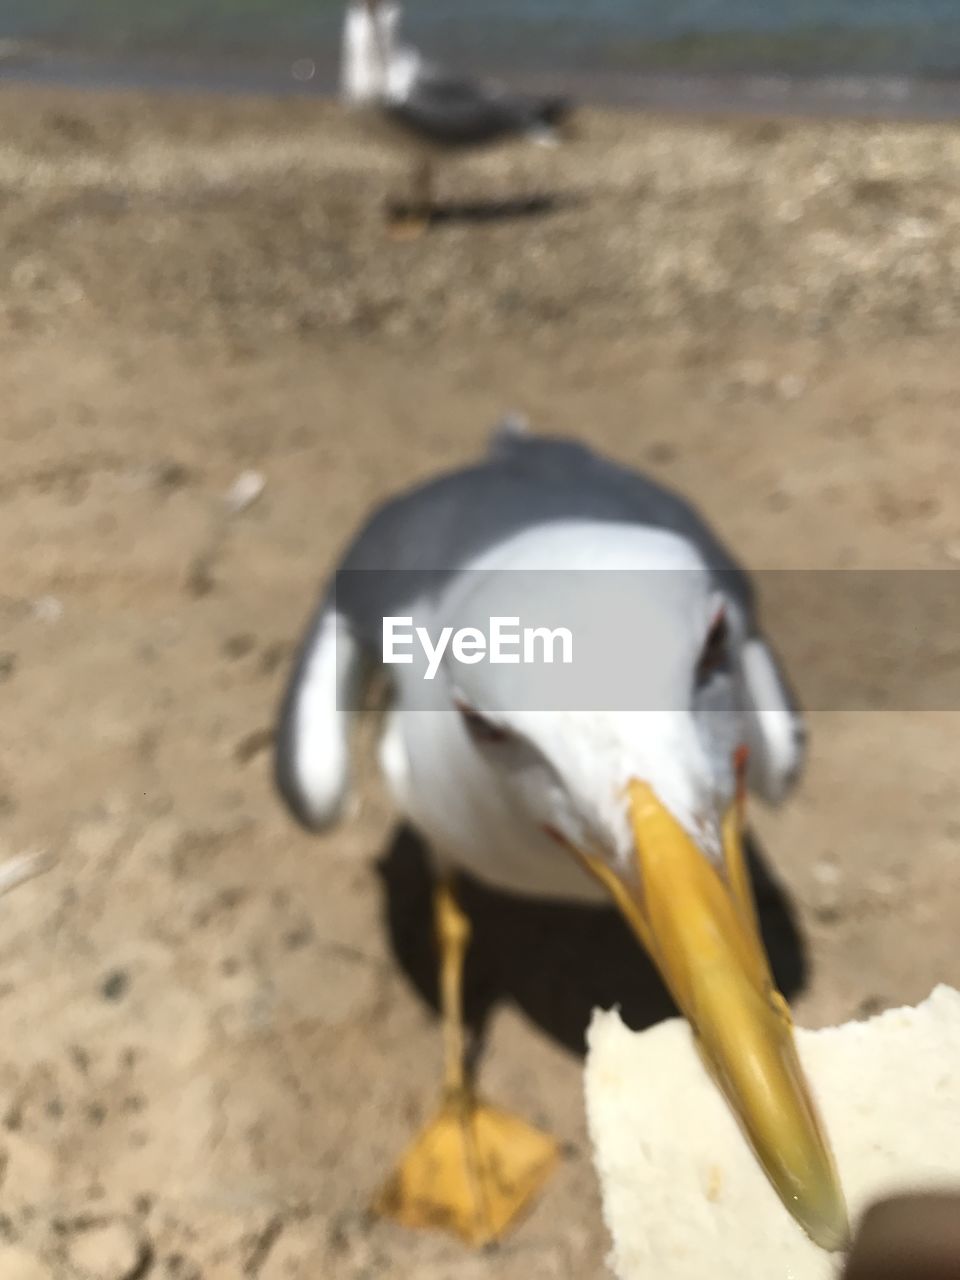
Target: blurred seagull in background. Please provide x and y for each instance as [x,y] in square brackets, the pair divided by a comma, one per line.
[432,112]
[628,785]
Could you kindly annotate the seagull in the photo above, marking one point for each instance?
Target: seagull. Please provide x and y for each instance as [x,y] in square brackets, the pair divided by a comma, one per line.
[622,777]
[428,110]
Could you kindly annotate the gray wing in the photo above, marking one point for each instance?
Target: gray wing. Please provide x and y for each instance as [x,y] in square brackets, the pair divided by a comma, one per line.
[410,543]
[408,547]
[528,480]
[775,729]
[450,112]
[312,749]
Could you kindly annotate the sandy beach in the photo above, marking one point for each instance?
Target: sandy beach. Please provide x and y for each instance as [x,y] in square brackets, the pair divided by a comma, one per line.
[218,1032]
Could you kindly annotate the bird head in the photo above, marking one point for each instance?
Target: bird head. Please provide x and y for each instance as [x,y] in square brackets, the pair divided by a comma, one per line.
[649,795]
[369,40]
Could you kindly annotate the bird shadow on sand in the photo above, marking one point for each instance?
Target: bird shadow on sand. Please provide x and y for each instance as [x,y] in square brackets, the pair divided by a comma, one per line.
[468,212]
[555,961]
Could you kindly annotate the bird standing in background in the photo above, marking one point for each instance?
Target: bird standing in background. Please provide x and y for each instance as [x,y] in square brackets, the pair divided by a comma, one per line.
[431,112]
[630,786]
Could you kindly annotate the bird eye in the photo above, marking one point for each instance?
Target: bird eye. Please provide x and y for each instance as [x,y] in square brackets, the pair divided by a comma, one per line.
[479,727]
[715,654]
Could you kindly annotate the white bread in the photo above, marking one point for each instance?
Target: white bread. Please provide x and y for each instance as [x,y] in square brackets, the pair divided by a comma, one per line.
[684,1198]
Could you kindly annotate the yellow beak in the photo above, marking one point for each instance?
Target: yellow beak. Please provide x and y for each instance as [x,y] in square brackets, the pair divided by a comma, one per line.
[699,926]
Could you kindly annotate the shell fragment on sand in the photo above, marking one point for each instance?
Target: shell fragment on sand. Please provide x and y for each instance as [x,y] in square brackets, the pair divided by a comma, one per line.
[683,1196]
[15,871]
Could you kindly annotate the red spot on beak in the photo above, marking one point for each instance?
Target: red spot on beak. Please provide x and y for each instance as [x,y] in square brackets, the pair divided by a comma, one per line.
[556,836]
[741,759]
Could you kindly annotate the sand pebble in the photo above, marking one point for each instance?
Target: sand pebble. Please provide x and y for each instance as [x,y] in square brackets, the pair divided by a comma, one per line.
[245,491]
[108,1251]
[48,609]
[791,386]
[916,228]
[23,867]
[826,872]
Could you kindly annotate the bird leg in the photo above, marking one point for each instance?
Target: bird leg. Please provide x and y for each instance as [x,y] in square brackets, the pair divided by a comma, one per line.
[453,938]
[474,1168]
[411,219]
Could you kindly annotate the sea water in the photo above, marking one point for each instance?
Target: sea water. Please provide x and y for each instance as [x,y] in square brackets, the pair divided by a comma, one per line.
[622,44]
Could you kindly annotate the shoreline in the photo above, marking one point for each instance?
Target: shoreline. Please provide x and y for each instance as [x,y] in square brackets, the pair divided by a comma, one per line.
[879,98]
[126,204]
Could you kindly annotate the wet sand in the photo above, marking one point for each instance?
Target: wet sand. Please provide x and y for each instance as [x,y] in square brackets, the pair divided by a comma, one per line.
[217,1031]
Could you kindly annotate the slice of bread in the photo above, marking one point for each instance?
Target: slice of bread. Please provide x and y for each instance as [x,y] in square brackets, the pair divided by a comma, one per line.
[684,1198]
